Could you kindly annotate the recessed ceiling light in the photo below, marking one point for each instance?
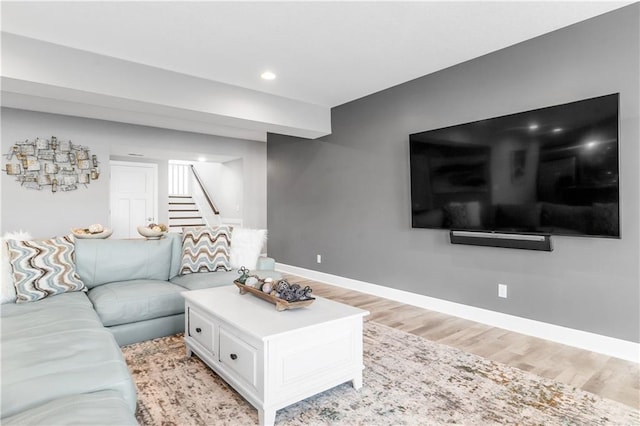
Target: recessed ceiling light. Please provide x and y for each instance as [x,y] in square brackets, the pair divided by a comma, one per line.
[558,130]
[268,75]
[201,159]
[533,126]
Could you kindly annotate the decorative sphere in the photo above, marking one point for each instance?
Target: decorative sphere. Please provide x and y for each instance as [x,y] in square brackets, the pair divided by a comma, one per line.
[251,281]
[266,287]
[96,228]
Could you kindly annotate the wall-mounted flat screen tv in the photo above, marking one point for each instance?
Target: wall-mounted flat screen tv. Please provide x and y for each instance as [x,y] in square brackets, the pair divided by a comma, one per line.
[550,171]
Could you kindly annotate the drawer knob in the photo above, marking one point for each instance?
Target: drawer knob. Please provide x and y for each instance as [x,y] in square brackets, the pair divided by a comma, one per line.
[198,329]
[234,356]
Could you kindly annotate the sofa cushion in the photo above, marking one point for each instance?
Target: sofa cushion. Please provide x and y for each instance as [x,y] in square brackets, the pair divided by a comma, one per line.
[7,289]
[72,309]
[134,332]
[176,253]
[43,268]
[56,348]
[97,408]
[217,279]
[104,261]
[265,264]
[136,300]
[205,280]
[205,249]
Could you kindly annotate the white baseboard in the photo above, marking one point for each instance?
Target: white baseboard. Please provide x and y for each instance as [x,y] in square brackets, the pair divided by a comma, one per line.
[618,348]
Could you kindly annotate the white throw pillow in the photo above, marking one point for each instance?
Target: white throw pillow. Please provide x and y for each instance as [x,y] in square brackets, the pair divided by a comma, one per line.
[7,288]
[246,246]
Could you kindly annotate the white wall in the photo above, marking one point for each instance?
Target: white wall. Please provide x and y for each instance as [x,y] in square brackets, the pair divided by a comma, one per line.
[224,182]
[231,189]
[45,214]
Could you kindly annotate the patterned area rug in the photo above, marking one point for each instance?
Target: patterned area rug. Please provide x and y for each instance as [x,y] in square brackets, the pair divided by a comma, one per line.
[408,380]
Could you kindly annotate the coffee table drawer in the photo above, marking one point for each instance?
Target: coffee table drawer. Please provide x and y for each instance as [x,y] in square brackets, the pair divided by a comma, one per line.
[201,330]
[239,356]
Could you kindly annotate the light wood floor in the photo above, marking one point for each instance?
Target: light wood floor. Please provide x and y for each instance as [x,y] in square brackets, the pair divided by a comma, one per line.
[602,375]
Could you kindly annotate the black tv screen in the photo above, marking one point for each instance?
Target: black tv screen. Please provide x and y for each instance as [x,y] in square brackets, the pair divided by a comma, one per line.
[551,171]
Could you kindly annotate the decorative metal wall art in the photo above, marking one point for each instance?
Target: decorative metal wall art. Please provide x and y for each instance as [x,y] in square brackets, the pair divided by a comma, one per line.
[53,163]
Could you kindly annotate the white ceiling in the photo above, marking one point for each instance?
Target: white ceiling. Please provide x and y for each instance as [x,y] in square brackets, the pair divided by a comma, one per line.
[132,152]
[324,53]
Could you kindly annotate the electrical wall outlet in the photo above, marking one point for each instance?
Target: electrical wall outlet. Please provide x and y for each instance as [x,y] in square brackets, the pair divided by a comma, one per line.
[318,258]
[502,290]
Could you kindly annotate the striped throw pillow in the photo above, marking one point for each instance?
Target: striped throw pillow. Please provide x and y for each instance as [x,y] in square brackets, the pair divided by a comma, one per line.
[205,249]
[43,268]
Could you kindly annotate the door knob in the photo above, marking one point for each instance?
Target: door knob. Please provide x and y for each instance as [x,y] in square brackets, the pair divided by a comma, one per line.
[234,356]
[198,330]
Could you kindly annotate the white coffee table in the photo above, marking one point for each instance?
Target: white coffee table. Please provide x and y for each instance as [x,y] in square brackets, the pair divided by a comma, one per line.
[274,359]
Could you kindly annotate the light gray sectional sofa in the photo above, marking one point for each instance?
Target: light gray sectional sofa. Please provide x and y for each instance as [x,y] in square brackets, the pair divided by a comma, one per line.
[61,361]
[135,287]
[56,357]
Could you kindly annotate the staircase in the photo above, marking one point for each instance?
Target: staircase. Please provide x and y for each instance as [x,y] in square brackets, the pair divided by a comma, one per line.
[183,211]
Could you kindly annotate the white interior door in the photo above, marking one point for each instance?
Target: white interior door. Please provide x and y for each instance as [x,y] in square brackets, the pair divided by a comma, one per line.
[134,197]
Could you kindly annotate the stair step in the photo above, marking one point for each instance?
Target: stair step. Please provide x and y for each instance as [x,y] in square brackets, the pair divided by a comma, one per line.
[188,225]
[181,214]
[186,221]
[184,212]
[183,208]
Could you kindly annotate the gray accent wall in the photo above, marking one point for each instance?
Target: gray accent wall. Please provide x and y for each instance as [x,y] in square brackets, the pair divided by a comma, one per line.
[347,196]
[45,214]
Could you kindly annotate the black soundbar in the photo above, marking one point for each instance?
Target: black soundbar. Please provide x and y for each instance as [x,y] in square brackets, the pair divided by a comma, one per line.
[497,239]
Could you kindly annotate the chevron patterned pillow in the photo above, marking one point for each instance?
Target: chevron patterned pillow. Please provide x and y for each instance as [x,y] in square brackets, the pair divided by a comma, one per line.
[205,249]
[43,268]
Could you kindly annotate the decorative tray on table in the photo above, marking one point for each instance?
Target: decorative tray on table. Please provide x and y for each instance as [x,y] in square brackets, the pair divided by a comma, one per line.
[281,304]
